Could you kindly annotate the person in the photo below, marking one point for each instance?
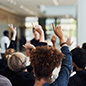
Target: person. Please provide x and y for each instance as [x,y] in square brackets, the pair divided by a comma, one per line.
[10,49]
[44,59]
[4,81]
[4,42]
[79,62]
[39,34]
[19,76]
[17,71]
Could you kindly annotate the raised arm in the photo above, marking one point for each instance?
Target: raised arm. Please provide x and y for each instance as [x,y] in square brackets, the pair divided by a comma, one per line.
[39,29]
[12,43]
[53,40]
[66,66]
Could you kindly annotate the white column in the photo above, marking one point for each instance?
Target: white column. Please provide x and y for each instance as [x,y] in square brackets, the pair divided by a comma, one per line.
[81,31]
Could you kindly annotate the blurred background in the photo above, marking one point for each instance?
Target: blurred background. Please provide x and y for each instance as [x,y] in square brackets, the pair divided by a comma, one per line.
[70,14]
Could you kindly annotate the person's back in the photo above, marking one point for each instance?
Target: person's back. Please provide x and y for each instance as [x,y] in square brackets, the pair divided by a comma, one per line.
[4,42]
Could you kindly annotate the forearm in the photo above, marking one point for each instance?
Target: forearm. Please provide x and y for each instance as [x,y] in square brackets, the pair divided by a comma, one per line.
[14,37]
[42,37]
[66,67]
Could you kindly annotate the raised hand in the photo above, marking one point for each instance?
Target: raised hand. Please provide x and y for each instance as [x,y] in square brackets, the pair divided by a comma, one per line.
[58,31]
[13,29]
[69,43]
[29,46]
[39,29]
[53,39]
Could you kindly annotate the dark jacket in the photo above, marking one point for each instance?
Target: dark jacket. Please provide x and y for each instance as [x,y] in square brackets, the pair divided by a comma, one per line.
[79,79]
[21,78]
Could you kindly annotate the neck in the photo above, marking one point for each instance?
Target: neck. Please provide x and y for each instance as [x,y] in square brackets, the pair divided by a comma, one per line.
[36,38]
[39,82]
[25,70]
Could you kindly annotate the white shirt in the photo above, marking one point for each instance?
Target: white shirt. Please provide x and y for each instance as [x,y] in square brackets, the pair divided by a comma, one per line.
[4,40]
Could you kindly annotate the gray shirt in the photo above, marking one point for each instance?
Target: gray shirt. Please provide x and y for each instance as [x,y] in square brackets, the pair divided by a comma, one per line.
[4,81]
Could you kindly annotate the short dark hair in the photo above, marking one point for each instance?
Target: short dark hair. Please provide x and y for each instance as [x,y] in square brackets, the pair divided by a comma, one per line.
[79,57]
[84,46]
[6,33]
[44,59]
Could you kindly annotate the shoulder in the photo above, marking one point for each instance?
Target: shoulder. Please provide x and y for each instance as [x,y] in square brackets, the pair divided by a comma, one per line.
[4,81]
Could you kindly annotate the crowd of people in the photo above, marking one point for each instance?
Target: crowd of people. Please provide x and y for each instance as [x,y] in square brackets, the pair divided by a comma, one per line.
[43,59]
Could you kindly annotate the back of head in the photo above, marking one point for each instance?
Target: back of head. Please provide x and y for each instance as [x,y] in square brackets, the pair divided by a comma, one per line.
[84,46]
[17,62]
[79,57]
[5,33]
[43,60]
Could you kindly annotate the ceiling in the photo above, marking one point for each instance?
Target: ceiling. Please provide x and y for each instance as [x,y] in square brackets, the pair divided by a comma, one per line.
[32,7]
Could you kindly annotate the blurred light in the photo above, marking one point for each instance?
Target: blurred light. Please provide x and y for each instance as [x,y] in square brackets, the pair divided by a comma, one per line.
[56,2]
[21,6]
[11,1]
[8,0]
[15,3]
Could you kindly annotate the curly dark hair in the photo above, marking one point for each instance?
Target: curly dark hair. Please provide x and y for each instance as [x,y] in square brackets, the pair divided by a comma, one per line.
[79,57]
[44,59]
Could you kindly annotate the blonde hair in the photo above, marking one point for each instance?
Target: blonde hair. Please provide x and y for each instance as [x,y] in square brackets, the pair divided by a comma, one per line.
[17,61]
[9,52]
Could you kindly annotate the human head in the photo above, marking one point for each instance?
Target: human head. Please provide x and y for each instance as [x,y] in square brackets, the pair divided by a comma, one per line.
[9,52]
[17,62]
[6,33]
[36,34]
[84,46]
[79,57]
[43,60]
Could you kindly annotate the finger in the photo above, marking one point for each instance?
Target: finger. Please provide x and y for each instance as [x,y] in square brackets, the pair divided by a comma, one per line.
[24,46]
[53,26]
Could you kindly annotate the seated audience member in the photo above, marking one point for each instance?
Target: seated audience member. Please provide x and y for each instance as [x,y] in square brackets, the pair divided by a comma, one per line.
[79,62]
[44,60]
[84,46]
[17,71]
[4,81]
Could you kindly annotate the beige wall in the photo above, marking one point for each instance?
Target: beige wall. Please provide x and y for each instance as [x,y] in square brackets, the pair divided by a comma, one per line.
[8,18]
